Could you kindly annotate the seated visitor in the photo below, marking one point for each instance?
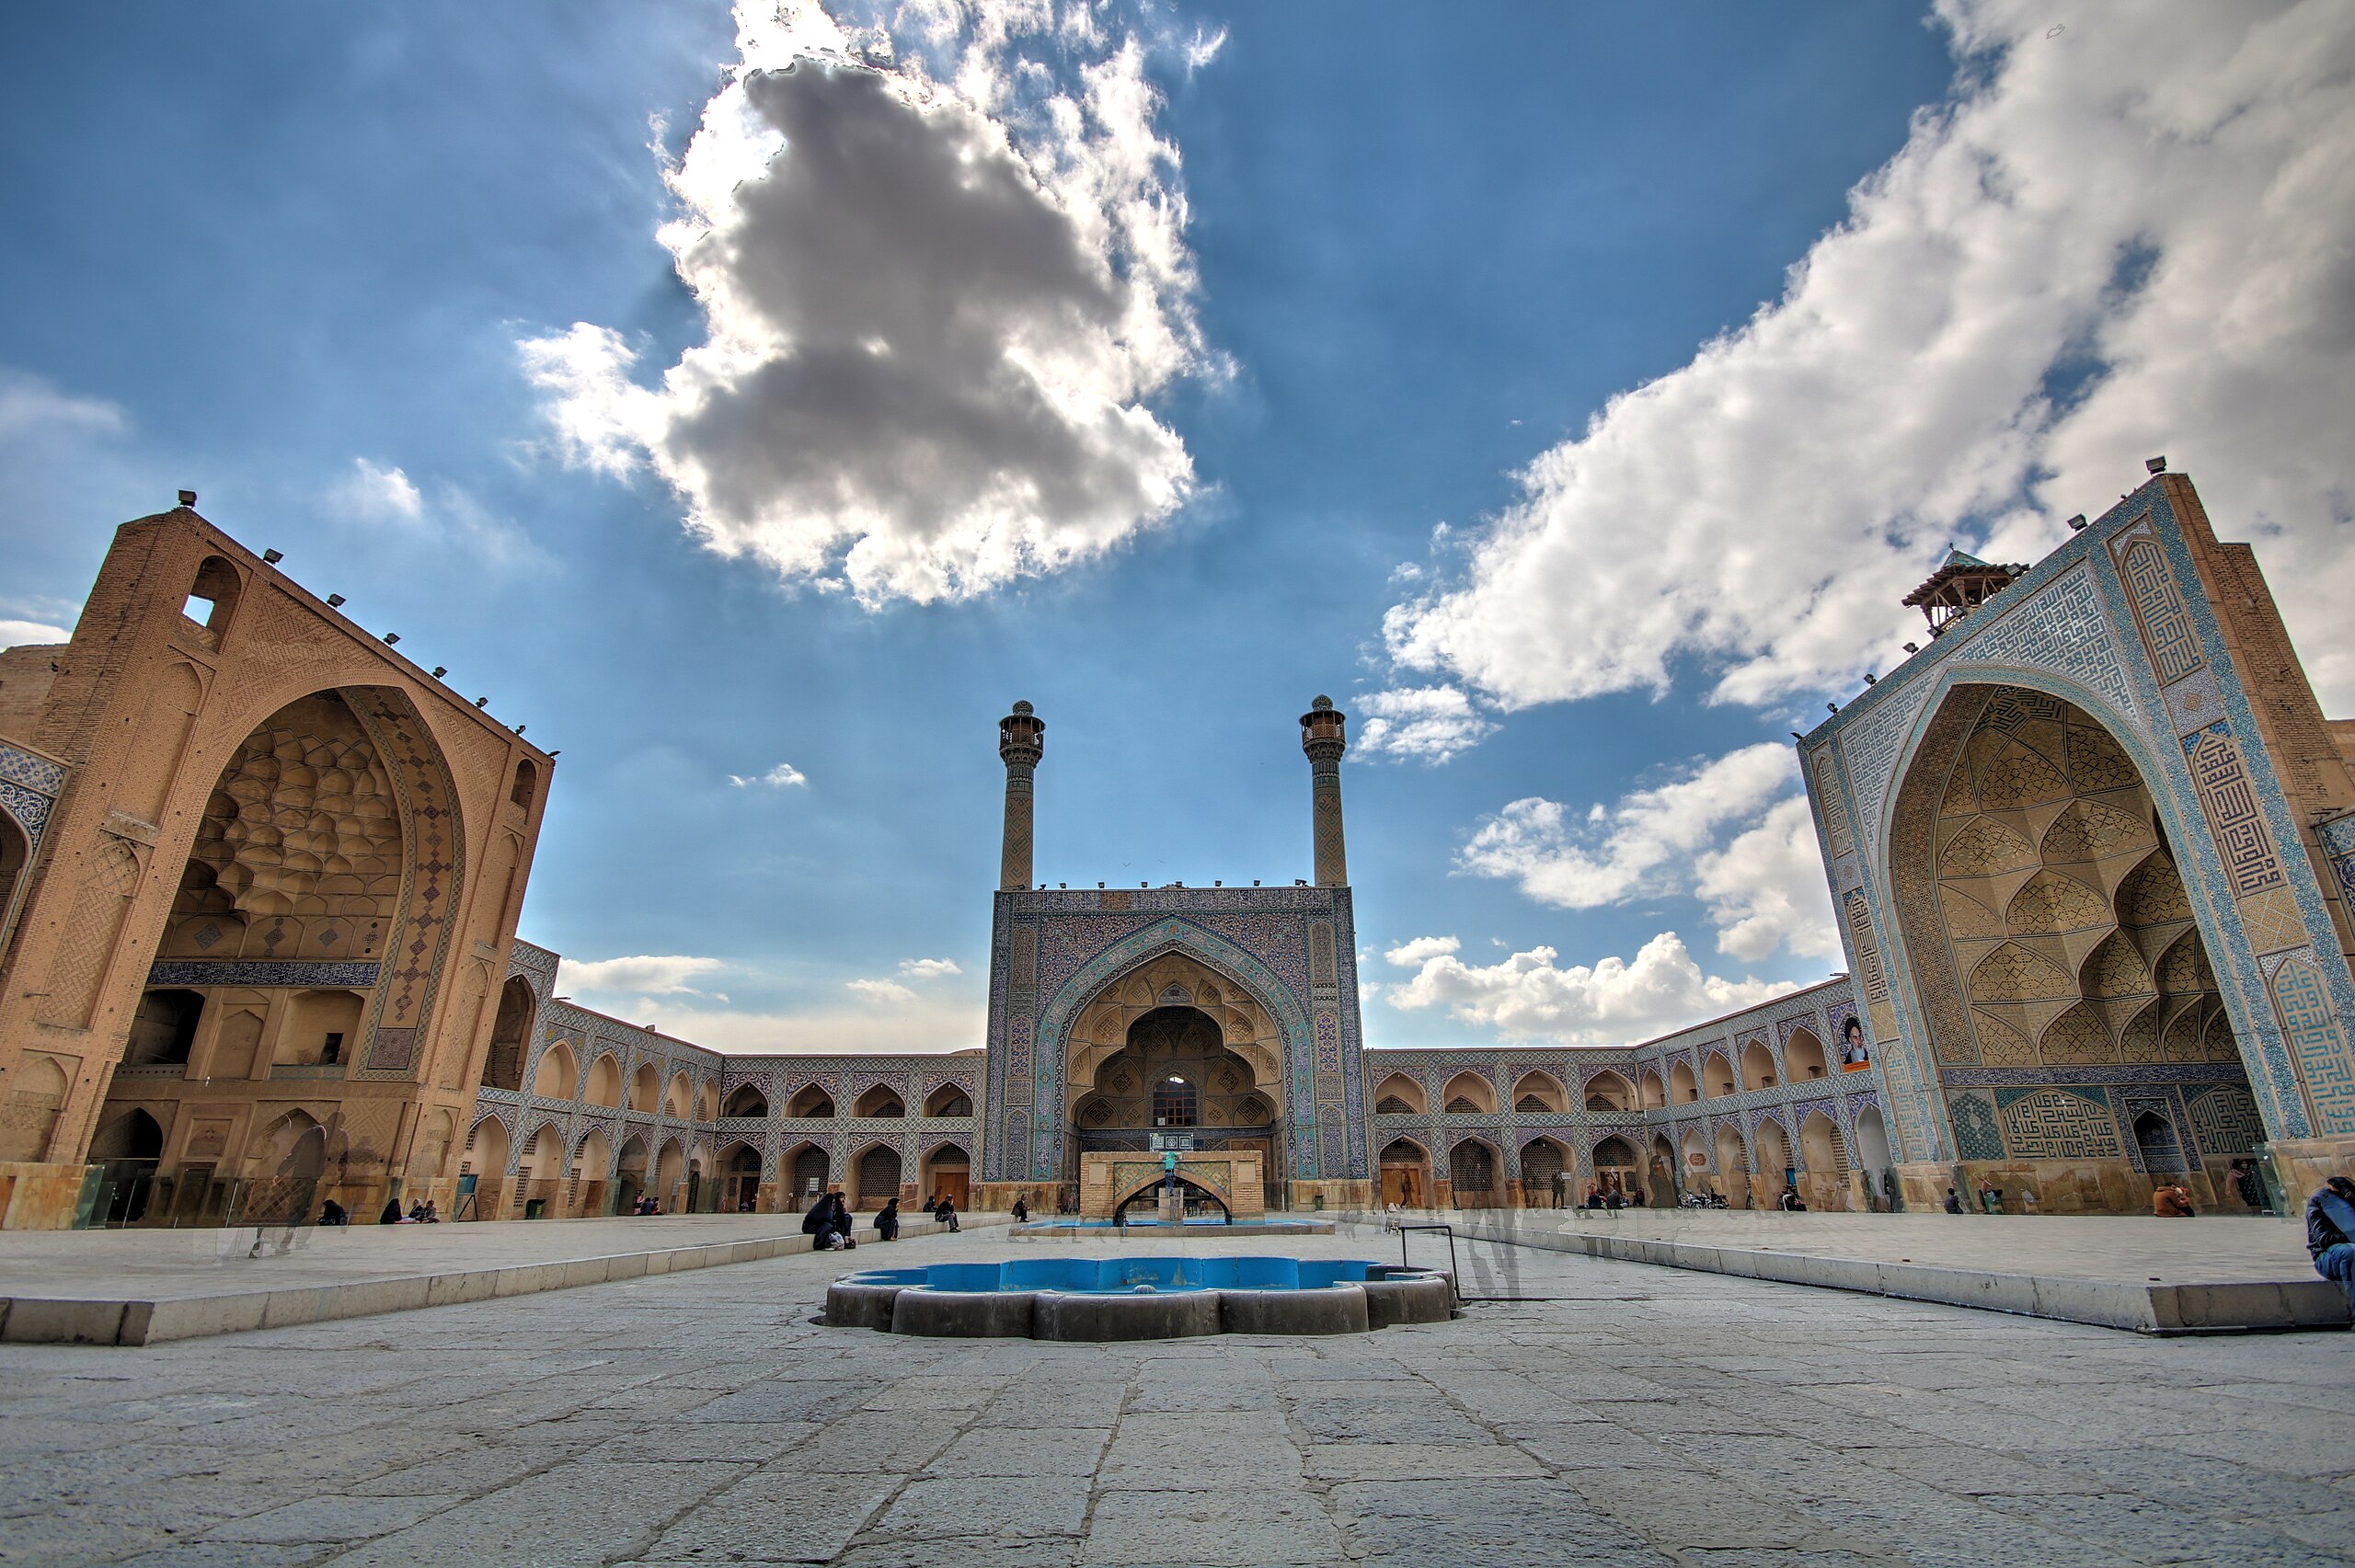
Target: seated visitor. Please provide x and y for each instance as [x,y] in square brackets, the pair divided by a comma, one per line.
[392,1215]
[887,1222]
[2171,1203]
[946,1212]
[2330,1231]
[1021,1213]
[333,1213]
[1954,1202]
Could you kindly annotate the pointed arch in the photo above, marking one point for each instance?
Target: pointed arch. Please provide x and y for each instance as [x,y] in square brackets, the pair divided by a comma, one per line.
[811,1102]
[1399,1095]
[1470,1094]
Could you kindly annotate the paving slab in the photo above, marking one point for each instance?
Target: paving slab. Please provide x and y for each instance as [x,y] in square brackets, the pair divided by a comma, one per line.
[2208,1275]
[1683,1418]
[143,1286]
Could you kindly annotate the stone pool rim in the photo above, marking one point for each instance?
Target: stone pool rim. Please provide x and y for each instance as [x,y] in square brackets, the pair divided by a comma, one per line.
[1386,1294]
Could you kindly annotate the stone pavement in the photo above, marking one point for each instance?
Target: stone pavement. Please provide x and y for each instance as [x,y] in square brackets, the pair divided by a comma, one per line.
[2204,1275]
[1645,1417]
[143,1286]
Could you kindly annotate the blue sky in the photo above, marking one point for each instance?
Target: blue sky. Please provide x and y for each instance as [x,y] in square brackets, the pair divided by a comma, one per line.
[1570,389]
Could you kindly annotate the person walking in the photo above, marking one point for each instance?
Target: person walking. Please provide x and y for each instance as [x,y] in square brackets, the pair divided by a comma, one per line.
[2330,1232]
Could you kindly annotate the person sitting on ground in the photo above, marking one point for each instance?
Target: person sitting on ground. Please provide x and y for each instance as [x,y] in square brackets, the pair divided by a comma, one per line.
[819,1219]
[333,1213]
[1991,1198]
[1021,1213]
[2171,1203]
[653,1205]
[1954,1201]
[946,1212]
[2330,1231]
[887,1222]
[392,1215]
[1635,1198]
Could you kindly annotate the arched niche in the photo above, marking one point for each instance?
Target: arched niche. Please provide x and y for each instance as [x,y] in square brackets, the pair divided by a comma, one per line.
[604,1083]
[1469,1094]
[874,1176]
[678,1101]
[322,1027]
[1103,1024]
[1399,1095]
[739,1178]
[810,1103]
[1610,1091]
[511,1036]
[948,1100]
[644,1088]
[1683,1088]
[1803,1056]
[1653,1091]
[948,1172]
[745,1101]
[2040,902]
[164,1028]
[1539,1092]
[1773,1148]
[880,1102]
[1757,1066]
[37,1093]
[1716,1076]
[559,1077]
[1175,1069]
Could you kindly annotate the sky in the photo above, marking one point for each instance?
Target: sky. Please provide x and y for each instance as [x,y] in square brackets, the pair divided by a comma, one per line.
[756,403]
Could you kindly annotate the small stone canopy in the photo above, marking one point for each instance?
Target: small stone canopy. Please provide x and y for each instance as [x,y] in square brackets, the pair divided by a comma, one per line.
[1958,587]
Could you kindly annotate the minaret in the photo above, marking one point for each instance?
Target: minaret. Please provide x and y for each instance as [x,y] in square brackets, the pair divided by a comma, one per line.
[1320,737]
[1021,741]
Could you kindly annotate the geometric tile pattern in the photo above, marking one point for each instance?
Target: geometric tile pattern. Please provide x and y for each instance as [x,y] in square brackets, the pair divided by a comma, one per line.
[1976,1136]
[2311,1026]
[2225,1122]
[2059,1124]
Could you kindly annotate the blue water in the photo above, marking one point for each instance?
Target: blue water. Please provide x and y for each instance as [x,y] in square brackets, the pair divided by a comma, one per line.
[1120,1276]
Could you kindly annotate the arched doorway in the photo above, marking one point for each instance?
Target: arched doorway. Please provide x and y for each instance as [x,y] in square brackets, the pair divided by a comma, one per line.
[486,1161]
[948,1172]
[293,1156]
[1775,1170]
[1544,1171]
[669,1165]
[1615,1168]
[1872,1147]
[629,1176]
[811,1172]
[164,1029]
[2155,1141]
[875,1178]
[739,1178]
[130,1147]
[1733,1167]
[1472,1176]
[1406,1174]
[1663,1186]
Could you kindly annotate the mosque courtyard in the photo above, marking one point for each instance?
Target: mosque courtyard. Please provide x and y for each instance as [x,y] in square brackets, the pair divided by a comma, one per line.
[1625,1415]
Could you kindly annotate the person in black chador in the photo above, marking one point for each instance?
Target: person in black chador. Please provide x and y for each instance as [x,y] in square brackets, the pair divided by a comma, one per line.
[392,1215]
[887,1224]
[818,1224]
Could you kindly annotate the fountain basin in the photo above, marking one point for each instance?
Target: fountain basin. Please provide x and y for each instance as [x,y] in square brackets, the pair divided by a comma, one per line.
[1146,1297]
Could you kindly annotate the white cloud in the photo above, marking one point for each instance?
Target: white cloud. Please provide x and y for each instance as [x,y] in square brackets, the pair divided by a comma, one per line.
[928,968]
[784,775]
[1766,889]
[33,406]
[1429,724]
[1728,831]
[373,491]
[941,274]
[13,634]
[931,1023]
[2156,200]
[880,991]
[1411,954]
[646,976]
[1528,997]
